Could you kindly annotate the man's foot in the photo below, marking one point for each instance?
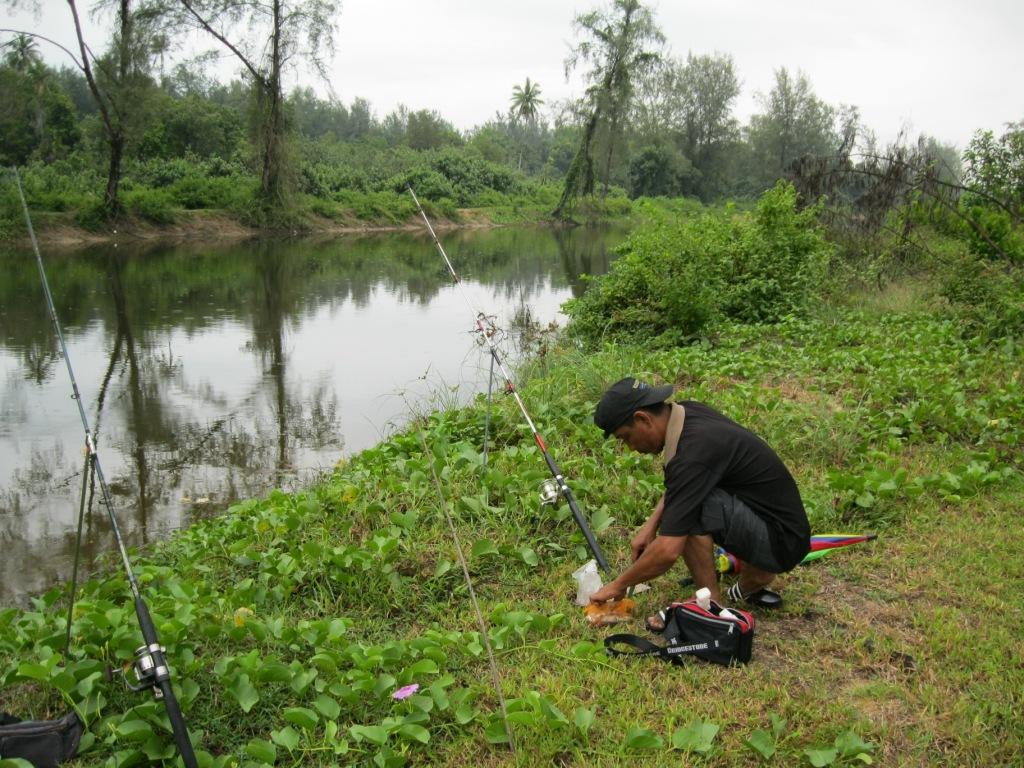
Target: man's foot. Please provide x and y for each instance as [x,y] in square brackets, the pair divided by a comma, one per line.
[762,598]
[655,623]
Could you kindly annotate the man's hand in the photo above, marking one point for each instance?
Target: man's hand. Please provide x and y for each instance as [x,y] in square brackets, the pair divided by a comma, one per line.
[608,592]
[642,540]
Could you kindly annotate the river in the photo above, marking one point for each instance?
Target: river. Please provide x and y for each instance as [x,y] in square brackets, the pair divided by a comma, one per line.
[213,373]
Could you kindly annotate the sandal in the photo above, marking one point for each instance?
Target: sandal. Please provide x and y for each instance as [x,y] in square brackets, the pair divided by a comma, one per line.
[655,623]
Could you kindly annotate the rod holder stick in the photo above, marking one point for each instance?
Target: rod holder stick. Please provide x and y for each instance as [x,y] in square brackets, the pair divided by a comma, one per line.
[510,387]
[161,676]
[78,550]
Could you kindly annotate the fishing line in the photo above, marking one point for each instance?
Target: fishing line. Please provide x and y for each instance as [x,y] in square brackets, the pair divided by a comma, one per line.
[150,664]
[486,332]
[484,635]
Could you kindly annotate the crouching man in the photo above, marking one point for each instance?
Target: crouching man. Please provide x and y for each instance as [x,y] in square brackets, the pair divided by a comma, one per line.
[723,485]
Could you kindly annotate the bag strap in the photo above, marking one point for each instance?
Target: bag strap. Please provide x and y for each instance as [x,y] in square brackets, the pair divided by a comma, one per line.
[645,647]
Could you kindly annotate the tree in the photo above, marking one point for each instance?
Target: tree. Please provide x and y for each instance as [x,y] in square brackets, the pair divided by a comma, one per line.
[659,170]
[708,88]
[119,79]
[689,104]
[38,119]
[525,101]
[22,53]
[428,130]
[795,123]
[995,167]
[268,38]
[615,44]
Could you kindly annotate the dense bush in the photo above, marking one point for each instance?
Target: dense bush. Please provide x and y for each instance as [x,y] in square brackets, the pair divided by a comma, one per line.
[675,278]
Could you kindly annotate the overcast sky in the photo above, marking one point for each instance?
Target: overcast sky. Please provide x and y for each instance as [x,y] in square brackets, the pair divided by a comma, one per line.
[942,67]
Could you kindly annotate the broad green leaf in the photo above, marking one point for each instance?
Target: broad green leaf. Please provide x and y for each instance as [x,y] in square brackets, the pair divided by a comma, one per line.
[696,737]
[422,667]
[33,671]
[495,731]
[134,730]
[584,719]
[262,750]
[850,744]
[464,713]
[822,756]
[414,733]
[762,743]
[301,680]
[156,749]
[15,762]
[63,682]
[244,692]
[600,520]
[371,733]
[302,717]
[529,556]
[287,737]
[327,706]
[553,713]
[643,738]
[274,672]
[522,718]
[483,547]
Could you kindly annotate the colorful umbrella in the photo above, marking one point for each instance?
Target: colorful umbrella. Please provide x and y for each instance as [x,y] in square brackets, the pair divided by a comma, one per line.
[821,545]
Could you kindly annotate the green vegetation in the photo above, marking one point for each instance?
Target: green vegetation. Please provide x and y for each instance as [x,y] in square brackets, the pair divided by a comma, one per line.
[298,623]
[293,620]
[675,279]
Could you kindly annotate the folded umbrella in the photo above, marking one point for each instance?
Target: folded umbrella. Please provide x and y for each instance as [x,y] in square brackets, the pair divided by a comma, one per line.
[821,545]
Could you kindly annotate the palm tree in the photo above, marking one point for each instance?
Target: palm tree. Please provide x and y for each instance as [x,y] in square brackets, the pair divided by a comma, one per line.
[525,101]
[22,53]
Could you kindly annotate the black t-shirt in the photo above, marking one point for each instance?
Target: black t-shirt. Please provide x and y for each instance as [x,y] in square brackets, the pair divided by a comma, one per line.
[716,452]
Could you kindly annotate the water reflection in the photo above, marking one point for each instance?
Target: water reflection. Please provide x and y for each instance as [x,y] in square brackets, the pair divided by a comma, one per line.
[214,373]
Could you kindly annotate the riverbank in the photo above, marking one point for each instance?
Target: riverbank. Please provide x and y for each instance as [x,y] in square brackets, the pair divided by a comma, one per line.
[293,621]
[62,231]
[149,217]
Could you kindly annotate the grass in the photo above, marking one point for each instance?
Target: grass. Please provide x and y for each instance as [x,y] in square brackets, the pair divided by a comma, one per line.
[291,620]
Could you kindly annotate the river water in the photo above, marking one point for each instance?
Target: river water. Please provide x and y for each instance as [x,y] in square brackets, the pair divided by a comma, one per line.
[213,373]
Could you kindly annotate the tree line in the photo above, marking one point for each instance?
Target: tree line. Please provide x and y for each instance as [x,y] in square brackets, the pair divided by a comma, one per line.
[648,123]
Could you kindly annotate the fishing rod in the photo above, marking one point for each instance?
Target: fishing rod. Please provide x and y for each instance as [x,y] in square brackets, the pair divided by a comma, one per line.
[486,332]
[151,670]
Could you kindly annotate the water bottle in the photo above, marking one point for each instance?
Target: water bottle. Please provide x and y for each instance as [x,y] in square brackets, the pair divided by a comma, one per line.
[704,598]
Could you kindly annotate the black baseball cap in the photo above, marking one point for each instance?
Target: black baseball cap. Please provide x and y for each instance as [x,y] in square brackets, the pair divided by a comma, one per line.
[624,398]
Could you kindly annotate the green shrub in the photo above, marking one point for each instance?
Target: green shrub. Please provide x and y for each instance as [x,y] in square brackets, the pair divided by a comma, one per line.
[92,215]
[153,205]
[991,234]
[987,297]
[676,277]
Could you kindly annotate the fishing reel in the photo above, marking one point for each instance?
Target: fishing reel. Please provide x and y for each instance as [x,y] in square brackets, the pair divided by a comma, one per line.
[487,330]
[548,493]
[150,669]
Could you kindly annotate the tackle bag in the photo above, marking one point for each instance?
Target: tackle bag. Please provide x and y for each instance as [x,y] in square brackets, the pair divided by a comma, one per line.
[694,631]
[44,743]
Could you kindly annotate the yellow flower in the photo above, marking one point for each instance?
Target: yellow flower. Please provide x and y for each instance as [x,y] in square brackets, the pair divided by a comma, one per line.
[240,616]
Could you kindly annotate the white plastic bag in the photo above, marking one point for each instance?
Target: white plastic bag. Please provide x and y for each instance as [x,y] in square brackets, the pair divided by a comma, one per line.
[588,581]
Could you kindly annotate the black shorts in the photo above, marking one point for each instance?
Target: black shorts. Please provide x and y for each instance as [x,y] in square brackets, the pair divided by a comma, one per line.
[737,529]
